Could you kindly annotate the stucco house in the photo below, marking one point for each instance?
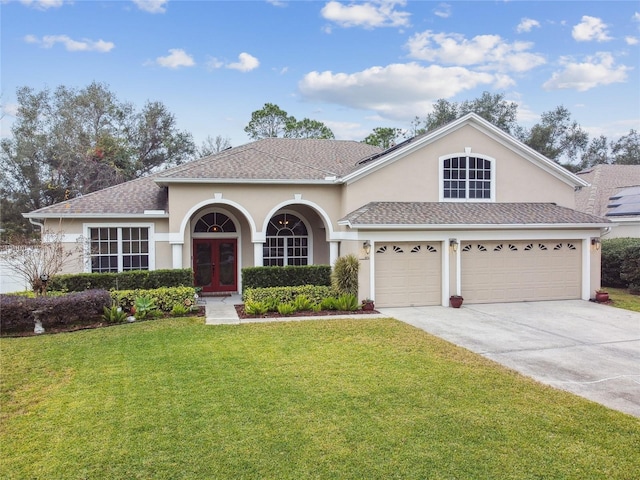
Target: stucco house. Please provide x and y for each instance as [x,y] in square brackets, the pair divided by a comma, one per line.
[464,209]
[614,193]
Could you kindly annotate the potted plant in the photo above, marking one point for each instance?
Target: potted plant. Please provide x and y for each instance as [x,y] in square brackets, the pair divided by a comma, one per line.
[602,296]
[455,301]
[367,304]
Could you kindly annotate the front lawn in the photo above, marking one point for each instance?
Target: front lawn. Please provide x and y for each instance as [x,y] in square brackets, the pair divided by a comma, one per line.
[621,298]
[343,399]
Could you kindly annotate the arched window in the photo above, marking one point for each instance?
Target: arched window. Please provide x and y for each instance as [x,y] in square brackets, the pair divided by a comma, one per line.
[467,177]
[214,223]
[287,241]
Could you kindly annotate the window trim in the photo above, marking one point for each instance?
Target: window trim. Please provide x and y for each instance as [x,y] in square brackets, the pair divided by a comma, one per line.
[467,153]
[307,225]
[86,227]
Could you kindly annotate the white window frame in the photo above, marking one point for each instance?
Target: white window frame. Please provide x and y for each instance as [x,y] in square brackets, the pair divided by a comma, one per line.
[467,153]
[309,237]
[87,235]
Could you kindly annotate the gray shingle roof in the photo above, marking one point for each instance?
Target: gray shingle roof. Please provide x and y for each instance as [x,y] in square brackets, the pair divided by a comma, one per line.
[606,181]
[277,159]
[453,213]
[129,198]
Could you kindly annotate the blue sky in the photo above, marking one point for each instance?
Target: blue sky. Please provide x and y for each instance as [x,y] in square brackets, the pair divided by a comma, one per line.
[352,65]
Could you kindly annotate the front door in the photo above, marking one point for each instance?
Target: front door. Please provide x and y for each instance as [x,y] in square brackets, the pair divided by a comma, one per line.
[214,264]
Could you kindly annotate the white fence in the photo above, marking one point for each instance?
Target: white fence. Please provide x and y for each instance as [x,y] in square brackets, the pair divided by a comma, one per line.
[10,281]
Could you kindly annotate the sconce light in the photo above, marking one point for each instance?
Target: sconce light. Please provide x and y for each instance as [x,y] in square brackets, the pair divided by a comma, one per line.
[367,247]
[595,242]
[453,243]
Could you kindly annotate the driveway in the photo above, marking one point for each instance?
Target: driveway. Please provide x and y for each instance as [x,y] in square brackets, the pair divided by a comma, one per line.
[586,348]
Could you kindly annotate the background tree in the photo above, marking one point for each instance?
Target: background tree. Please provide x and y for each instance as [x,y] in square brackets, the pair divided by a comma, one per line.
[596,153]
[383,137]
[493,108]
[626,150]
[212,145]
[557,136]
[71,142]
[272,121]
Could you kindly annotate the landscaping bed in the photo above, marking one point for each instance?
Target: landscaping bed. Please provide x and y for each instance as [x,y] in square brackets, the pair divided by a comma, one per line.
[303,313]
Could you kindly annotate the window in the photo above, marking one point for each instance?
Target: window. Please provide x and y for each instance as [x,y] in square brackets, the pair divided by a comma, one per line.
[215,222]
[118,249]
[467,178]
[287,242]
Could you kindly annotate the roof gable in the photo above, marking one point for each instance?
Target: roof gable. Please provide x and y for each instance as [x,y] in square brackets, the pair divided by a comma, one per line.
[403,149]
[605,181]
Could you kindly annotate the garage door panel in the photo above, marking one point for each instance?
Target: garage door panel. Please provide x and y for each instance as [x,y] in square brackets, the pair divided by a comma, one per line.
[408,273]
[513,271]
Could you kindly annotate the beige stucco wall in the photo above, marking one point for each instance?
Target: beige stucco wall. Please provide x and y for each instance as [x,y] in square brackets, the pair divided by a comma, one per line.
[415,177]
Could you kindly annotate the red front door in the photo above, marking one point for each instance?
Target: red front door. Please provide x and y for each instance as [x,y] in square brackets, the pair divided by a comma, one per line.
[214,264]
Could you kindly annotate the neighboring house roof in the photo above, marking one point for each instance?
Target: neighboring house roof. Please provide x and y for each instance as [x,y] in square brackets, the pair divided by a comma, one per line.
[605,181]
[426,214]
[626,202]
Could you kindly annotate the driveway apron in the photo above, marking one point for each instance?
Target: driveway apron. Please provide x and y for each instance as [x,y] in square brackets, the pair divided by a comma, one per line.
[589,349]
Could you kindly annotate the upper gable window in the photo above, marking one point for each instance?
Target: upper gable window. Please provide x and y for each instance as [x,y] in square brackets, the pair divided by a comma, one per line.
[467,178]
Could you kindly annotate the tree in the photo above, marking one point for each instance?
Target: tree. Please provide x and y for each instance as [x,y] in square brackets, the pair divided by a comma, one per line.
[443,112]
[307,128]
[557,137]
[212,145]
[597,153]
[626,150]
[71,142]
[272,121]
[383,137]
[493,108]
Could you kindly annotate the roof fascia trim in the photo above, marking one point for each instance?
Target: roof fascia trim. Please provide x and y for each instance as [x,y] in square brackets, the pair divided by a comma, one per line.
[141,216]
[463,226]
[259,181]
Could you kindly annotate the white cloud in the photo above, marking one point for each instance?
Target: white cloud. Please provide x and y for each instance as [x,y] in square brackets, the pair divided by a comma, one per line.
[488,52]
[527,24]
[371,14]
[213,63]
[590,29]
[42,4]
[631,40]
[595,71]
[443,10]
[177,58]
[84,45]
[245,63]
[152,6]
[636,17]
[398,91]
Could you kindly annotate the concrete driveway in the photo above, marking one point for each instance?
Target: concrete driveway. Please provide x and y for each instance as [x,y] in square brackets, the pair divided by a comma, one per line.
[586,348]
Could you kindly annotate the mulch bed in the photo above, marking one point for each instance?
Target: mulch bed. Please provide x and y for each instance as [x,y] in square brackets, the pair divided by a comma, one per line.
[306,313]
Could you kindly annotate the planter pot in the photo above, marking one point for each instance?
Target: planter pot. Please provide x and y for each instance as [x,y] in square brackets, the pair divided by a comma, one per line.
[367,306]
[602,297]
[455,301]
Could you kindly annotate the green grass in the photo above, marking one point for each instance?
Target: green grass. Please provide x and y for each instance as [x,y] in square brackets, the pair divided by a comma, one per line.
[343,399]
[621,298]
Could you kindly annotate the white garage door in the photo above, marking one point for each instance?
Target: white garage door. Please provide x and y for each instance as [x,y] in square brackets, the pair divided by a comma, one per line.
[514,271]
[408,274]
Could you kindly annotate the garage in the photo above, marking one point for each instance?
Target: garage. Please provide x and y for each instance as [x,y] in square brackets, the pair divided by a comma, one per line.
[515,271]
[408,273]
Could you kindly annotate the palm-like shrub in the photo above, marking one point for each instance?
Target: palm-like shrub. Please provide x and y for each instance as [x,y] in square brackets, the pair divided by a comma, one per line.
[344,277]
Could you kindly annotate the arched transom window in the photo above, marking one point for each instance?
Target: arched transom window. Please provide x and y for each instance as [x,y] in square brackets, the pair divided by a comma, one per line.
[467,178]
[287,241]
[214,222]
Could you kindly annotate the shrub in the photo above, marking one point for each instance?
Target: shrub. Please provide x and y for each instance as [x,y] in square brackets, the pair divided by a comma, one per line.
[344,278]
[302,303]
[279,295]
[143,279]
[286,308]
[144,307]
[180,310]
[289,276]
[347,302]
[164,298]
[615,253]
[328,303]
[79,308]
[630,271]
[114,314]
[256,308]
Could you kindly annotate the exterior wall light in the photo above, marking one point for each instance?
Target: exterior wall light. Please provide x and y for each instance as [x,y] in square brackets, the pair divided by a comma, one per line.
[453,243]
[367,247]
[595,242]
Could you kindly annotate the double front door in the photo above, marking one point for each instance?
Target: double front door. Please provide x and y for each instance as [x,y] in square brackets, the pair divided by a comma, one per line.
[214,264]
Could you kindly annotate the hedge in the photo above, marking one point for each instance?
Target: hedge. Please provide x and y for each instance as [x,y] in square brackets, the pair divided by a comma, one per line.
[289,276]
[79,308]
[619,255]
[315,293]
[164,298]
[146,279]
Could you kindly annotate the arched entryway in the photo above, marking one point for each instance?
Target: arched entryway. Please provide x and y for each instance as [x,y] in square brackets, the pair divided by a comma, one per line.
[215,252]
